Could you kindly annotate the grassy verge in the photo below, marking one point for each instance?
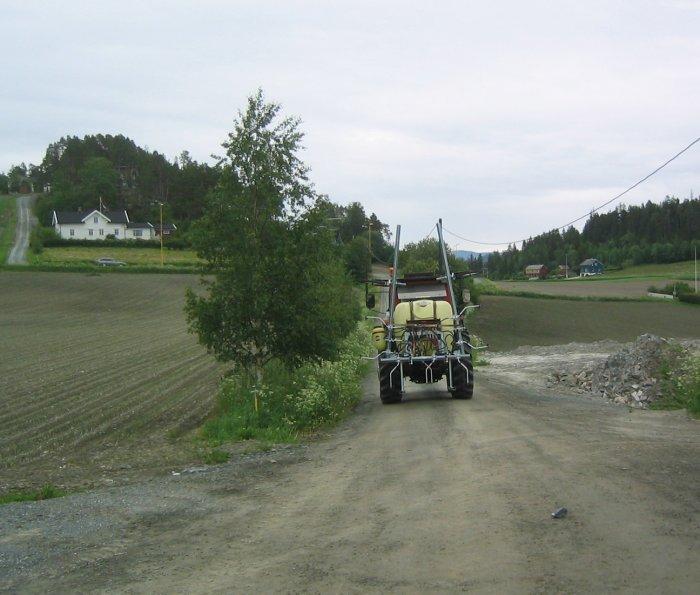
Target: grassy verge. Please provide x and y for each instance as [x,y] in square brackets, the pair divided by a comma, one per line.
[86,255]
[681,384]
[94,269]
[8,217]
[45,493]
[291,402]
[487,287]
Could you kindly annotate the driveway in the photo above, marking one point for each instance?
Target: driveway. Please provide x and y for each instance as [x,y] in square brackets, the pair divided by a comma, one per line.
[25,222]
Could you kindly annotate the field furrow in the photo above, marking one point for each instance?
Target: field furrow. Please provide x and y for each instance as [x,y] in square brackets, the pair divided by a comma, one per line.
[96,364]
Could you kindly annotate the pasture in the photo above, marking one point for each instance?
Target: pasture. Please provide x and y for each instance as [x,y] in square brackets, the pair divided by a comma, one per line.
[506,322]
[98,374]
[80,255]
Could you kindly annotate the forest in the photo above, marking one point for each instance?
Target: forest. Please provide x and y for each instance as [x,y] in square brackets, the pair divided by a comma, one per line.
[629,235]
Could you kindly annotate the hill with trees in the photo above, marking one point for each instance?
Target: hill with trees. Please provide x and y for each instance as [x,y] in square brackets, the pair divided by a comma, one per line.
[76,172]
[630,235]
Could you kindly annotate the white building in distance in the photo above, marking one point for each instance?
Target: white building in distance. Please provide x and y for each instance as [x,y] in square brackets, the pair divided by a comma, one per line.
[97,225]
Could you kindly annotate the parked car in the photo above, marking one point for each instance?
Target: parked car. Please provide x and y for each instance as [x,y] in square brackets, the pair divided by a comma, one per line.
[109,262]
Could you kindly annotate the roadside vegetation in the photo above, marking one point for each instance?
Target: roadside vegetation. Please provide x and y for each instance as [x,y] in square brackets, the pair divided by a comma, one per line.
[131,256]
[279,303]
[680,375]
[8,216]
[46,493]
[289,402]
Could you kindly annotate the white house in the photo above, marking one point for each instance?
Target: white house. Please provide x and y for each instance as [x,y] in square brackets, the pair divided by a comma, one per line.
[97,225]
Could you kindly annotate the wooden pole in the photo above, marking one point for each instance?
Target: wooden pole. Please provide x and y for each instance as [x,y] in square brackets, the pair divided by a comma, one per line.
[162,263]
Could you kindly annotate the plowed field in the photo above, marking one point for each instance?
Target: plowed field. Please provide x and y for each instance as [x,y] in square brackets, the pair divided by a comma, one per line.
[97,374]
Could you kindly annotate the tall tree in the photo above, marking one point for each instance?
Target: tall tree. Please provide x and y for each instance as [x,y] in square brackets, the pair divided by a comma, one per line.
[279,290]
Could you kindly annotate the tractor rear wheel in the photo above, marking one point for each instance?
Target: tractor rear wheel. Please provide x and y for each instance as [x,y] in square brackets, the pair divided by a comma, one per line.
[389,384]
[462,380]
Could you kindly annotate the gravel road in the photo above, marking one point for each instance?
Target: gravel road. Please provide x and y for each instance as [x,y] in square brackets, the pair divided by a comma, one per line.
[429,495]
[25,222]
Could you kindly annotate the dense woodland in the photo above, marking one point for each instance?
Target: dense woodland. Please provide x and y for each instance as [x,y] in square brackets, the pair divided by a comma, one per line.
[629,235]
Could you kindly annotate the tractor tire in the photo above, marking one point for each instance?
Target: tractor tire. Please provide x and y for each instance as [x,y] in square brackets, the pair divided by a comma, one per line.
[462,380]
[389,387]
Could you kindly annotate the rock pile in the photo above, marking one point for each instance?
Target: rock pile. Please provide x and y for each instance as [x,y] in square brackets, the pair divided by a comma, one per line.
[632,376]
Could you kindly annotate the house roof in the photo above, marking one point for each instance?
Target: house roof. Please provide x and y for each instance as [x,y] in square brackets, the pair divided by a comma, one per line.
[590,261]
[166,226]
[534,267]
[78,217]
[135,225]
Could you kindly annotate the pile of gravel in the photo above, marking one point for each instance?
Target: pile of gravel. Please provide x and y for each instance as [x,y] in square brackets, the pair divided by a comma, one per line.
[631,376]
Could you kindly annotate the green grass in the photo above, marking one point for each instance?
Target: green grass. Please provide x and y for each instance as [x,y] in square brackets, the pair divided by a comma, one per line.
[8,217]
[672,270]
[507,322]
[290,403]
[575,298]
[215,457]
[93,269]
[46,493]
[86,255]
[681,384]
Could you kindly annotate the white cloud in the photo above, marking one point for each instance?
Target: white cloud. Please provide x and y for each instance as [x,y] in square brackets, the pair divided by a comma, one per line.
[506,118]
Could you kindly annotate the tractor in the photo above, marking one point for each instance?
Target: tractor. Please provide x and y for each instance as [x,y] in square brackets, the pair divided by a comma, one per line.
[422,336]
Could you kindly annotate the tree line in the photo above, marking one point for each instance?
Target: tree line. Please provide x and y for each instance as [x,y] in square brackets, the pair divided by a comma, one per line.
[629,235]
[77,172]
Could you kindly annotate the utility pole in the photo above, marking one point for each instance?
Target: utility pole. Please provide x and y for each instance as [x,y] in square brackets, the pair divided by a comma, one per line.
[566,264]
[696,268]
[369,248]
[161,235]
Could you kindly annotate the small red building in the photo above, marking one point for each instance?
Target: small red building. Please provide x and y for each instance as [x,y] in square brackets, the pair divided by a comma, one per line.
[536,271]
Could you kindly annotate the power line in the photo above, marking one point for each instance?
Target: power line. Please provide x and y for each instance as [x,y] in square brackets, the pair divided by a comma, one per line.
[605,204]
[430,232]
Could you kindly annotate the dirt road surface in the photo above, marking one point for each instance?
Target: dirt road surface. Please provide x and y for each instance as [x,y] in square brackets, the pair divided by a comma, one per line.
[430,495]
[25,222]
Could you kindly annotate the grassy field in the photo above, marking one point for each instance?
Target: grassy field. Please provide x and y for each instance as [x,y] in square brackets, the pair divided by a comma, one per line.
[632,282]
[98,374]
[131,256]
[8,216]
[673,270]
[506,322]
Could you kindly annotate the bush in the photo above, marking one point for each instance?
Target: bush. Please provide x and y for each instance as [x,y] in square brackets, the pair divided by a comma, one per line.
[291,401]
[690,298]
[57,242]
[677,288]
[681,385]
[41,236]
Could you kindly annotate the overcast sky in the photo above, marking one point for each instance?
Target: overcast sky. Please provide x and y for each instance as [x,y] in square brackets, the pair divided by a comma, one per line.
[505,118]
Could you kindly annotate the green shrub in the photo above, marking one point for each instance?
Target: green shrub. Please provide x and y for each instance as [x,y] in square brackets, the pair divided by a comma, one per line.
[677,288]
[40,237]
[291,401]
[691,298]
[46,493]
[681,383]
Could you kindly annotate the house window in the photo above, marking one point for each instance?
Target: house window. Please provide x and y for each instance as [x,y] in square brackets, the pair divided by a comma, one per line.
[116,231]
[72,232]
[102,232]
[94,219]
[138,233]
[89,232]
